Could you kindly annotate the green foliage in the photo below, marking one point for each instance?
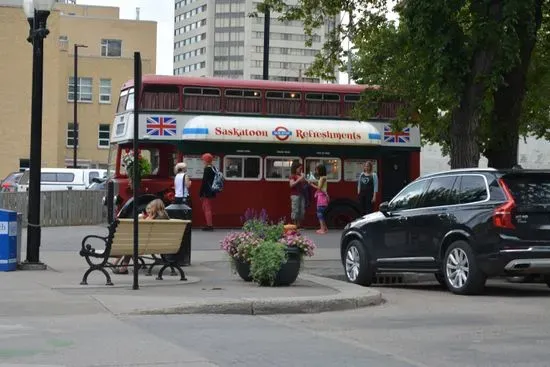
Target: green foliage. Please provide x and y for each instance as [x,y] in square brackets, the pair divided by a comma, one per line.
[266,261]
[270,232]
[446,59]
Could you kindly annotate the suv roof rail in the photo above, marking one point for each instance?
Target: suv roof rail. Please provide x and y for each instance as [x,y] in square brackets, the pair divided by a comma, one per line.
[458,170]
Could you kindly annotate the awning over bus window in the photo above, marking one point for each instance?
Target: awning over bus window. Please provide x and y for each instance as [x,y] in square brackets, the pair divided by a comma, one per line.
[283,130]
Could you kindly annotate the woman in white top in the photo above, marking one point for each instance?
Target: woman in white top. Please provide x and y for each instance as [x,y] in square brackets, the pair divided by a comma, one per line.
[182,183]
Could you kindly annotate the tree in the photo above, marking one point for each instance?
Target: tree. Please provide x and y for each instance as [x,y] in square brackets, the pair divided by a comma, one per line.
[462,67]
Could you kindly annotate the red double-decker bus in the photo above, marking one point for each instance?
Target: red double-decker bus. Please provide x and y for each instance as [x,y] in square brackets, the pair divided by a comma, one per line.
[255,130]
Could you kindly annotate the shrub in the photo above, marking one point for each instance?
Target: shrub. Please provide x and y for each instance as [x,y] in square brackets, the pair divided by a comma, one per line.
[266,261]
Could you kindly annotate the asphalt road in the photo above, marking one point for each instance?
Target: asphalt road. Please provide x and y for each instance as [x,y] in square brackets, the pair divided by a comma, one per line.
[418,326]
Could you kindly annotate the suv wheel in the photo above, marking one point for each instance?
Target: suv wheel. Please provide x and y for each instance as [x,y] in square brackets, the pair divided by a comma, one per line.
[356,264]
[460,270]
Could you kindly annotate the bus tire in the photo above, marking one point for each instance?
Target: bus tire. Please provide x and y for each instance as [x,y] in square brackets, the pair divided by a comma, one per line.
[338,214]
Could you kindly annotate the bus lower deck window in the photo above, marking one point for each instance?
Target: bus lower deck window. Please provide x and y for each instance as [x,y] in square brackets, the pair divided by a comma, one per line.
[239,167]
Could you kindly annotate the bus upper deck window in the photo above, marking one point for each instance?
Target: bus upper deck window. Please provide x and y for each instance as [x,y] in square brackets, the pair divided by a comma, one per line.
[283,103]
[160,97]
[201,99]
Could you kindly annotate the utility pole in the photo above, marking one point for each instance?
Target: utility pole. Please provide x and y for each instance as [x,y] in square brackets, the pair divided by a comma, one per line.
[76,96]
[267,21]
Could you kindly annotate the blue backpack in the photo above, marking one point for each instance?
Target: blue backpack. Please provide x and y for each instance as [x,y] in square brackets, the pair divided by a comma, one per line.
[217,183]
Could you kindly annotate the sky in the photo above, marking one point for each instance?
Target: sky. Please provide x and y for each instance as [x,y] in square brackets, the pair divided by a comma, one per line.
[161,11]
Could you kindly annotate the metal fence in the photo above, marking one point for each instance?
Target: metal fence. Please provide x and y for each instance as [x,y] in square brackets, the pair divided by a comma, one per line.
[60,208]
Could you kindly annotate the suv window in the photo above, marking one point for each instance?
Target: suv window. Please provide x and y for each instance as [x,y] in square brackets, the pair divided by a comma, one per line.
[529,189]
[408,198]
[440,192]
[472,189]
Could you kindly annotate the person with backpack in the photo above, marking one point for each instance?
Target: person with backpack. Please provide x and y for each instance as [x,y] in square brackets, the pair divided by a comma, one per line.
[182,184]
[212,183]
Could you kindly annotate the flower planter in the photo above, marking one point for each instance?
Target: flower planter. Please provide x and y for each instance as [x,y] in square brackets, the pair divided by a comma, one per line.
[289,271]
[286,275]
[243,269]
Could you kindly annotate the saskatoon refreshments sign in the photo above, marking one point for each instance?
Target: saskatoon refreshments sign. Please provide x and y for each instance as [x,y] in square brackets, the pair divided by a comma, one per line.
[283,134]
[288,131]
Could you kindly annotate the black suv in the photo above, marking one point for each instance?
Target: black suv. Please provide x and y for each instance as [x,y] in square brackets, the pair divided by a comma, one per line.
[462,225]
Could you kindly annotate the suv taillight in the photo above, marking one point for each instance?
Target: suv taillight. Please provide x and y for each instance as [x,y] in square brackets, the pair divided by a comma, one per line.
[502,216]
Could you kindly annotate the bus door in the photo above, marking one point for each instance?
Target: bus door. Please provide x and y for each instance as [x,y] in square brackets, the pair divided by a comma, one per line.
[395,174]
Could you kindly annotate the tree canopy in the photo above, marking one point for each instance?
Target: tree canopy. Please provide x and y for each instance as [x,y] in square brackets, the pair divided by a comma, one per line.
[473,74]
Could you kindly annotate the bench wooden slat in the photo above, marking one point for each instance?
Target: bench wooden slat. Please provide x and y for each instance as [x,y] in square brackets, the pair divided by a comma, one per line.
[155,237]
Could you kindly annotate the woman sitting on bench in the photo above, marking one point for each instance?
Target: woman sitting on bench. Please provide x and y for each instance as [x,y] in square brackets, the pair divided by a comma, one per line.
[154,210]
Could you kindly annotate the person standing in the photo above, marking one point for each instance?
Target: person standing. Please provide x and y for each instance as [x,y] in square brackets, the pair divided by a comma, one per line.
[207,194]
[321,197]
[297,186]
[182,184]
[367,188]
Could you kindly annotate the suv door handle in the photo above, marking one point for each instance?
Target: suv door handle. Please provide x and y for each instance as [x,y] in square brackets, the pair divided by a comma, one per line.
[402,219]
[443,215]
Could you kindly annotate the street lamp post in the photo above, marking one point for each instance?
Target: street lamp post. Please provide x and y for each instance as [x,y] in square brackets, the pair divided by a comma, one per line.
[37,12]
[76,95]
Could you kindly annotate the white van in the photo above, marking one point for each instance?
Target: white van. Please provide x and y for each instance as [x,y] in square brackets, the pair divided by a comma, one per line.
[60,179]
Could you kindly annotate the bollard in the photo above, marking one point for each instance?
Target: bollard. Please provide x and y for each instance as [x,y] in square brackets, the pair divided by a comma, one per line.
[110,201]
[8,240]
[19,236]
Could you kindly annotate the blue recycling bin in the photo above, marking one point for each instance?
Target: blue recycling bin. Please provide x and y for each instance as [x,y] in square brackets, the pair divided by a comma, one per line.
[8,240]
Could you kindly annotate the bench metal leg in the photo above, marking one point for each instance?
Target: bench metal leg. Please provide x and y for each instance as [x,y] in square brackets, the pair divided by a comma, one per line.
[172,266]
[89,271]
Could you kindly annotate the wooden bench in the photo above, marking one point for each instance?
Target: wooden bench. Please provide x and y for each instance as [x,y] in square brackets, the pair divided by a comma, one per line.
[156,237]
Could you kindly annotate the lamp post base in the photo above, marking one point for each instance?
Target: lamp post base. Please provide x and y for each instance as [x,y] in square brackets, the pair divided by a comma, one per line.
[32,266]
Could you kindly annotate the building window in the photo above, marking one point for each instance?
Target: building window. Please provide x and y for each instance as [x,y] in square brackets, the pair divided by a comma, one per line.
[70,135]
[105,91]
[111,48]
[84,93]
[103,136]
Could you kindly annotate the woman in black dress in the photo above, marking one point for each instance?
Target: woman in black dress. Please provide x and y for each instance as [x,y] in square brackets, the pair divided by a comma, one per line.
[367,188]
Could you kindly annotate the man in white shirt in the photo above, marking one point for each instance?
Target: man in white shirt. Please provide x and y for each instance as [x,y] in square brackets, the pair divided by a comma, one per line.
[182,183]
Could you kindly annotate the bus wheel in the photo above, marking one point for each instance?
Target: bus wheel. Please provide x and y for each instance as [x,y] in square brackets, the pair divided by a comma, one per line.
[338,216]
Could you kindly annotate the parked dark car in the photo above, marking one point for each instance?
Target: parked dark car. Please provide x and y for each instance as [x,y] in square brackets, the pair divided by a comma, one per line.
[9,184]
[461,225]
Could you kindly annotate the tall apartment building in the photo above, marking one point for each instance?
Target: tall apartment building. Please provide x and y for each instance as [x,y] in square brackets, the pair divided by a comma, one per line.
[102,67]
[218,38]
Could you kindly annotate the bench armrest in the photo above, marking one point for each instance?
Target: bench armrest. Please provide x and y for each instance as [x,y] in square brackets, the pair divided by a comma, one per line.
[88,250]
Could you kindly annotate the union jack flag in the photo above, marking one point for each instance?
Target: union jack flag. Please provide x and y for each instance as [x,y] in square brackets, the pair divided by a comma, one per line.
[403,136]
[161,126]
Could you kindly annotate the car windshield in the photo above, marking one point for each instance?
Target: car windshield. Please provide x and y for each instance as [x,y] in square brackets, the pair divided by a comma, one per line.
[13,178]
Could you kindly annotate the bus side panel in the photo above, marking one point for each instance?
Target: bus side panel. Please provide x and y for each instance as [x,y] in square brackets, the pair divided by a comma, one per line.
[230,205]
[414,165]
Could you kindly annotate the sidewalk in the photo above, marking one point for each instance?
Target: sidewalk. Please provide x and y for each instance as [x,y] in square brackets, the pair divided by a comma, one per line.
[211,288]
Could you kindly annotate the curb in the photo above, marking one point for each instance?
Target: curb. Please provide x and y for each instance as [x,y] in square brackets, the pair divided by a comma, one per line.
[349,297]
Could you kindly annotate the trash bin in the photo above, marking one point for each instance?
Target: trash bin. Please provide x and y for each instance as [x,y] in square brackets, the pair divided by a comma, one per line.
[8,240]
[182,211]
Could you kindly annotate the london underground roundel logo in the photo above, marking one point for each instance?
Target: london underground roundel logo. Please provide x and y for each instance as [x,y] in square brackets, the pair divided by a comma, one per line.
[281,133]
